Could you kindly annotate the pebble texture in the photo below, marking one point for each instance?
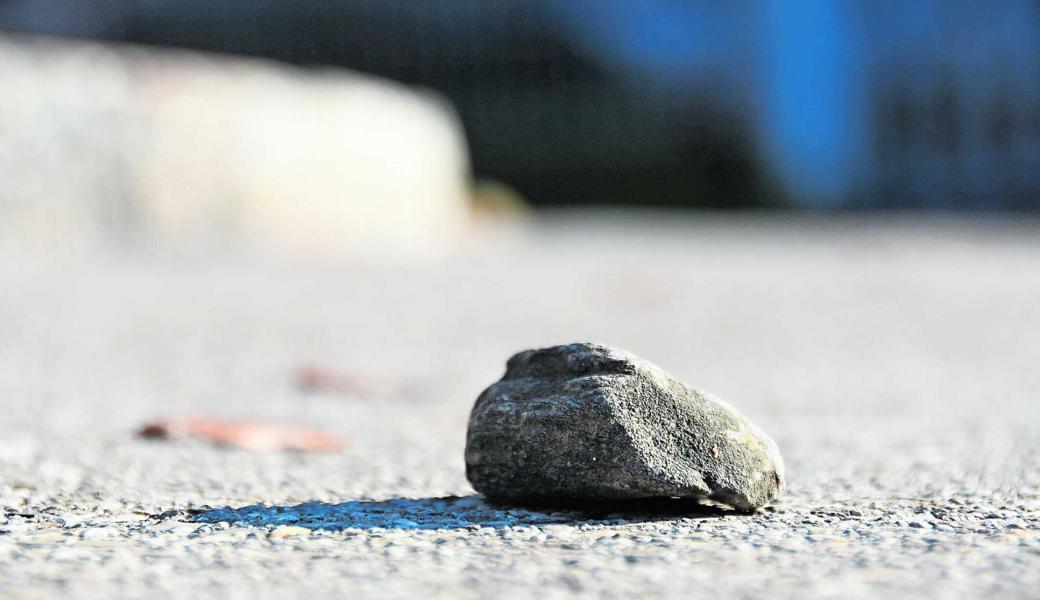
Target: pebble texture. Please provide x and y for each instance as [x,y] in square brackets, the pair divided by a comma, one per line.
[588,423]
[894,363]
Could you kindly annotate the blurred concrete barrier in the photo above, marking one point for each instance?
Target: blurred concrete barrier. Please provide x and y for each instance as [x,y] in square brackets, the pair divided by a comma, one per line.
[103,146]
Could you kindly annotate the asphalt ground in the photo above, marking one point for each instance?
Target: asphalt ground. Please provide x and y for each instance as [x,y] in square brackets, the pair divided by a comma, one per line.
[894,360]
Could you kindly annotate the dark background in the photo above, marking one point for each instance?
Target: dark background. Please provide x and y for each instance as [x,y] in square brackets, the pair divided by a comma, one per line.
[813,104]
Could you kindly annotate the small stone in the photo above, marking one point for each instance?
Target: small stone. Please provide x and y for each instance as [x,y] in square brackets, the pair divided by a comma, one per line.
[99,533]
[129,517]
[45,536]
[70,521]
[175,527]
[589,423]
[284,531]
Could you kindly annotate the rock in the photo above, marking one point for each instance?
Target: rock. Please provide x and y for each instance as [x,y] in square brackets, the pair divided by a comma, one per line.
[285,531]
[99,533]
[179,528]
[44,536]
[588,423]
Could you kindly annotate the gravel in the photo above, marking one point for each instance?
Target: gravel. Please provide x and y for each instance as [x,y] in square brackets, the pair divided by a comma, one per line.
[894,363]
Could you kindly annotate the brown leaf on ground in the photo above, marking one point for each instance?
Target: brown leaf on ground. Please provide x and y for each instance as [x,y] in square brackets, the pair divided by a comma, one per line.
[258,437]
[310,378]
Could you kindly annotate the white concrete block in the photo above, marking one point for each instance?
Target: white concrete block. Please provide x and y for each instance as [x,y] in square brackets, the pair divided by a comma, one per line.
[112,146]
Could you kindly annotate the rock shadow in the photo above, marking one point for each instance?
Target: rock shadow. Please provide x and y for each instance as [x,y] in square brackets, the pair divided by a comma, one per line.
[453,512]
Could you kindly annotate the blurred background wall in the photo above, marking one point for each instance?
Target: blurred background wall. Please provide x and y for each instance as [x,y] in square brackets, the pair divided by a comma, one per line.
[818,104]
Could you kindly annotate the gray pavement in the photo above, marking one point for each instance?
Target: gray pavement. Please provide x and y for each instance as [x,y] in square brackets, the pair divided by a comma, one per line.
[895,362]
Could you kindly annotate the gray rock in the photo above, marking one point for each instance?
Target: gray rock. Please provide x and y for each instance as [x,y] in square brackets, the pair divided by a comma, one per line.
[589,423]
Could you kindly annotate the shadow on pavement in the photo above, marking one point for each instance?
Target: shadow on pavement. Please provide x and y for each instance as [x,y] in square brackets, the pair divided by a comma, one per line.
[452,512]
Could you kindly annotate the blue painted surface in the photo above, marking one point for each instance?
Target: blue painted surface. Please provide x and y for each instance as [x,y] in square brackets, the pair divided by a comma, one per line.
[817,74]
[811,97]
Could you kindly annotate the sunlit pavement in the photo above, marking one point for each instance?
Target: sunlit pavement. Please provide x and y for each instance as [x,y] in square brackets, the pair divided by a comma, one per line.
[893,360]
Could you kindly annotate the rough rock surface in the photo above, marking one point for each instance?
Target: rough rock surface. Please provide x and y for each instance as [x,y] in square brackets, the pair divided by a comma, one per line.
[585,422]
